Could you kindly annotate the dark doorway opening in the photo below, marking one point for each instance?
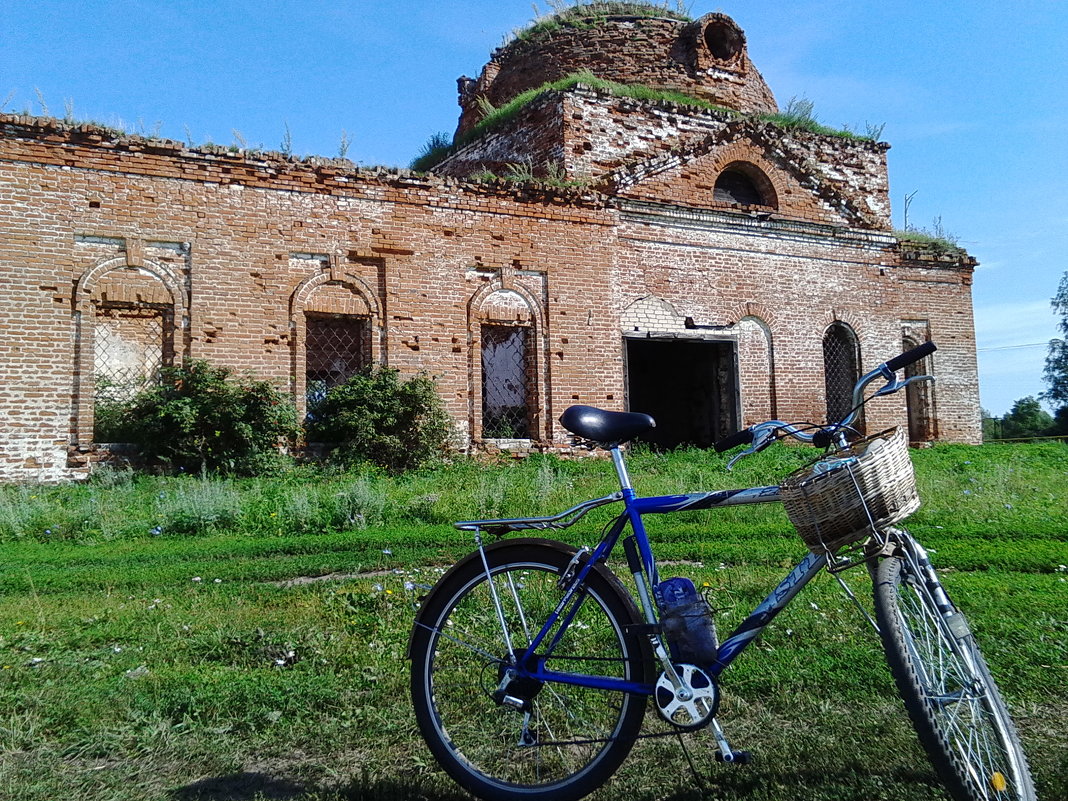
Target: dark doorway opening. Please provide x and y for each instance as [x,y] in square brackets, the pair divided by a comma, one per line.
[689,386]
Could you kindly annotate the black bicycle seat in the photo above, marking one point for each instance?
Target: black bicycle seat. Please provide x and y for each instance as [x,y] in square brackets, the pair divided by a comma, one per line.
[604,427]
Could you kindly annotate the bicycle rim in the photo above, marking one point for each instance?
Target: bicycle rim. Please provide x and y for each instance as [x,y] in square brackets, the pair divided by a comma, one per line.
[949,692]
[568,740]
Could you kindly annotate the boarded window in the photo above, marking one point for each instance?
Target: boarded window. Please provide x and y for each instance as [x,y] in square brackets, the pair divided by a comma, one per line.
[506,395]
[734,186]
[132,341]
[841,366]
[337,347]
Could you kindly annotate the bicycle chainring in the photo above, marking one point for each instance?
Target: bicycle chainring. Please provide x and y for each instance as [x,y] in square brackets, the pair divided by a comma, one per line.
[692,714]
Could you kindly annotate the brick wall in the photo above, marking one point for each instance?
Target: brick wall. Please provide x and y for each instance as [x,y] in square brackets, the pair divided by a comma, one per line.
[706,58]
[239,247]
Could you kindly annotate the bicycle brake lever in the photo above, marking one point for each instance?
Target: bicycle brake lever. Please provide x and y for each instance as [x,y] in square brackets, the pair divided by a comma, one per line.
[762,438]
[894,385]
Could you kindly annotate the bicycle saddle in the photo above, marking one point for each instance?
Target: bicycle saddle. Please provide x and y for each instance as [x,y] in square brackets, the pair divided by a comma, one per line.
[604,427]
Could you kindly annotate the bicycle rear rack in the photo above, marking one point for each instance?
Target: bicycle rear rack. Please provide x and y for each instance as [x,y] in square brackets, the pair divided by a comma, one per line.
[563,520]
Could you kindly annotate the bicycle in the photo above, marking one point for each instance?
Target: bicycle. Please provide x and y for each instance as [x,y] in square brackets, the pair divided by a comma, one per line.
[532,664]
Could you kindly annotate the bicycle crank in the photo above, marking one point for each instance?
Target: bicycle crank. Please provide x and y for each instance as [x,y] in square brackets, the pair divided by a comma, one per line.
[693,705]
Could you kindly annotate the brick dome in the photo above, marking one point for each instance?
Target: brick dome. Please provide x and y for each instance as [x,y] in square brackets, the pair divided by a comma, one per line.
[706,58]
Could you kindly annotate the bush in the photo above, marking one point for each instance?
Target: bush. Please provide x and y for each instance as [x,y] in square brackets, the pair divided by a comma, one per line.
[375,417]
[201,418]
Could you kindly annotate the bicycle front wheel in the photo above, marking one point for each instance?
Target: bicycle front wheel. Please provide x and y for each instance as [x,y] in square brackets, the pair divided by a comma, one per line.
[563,741]
[949,693]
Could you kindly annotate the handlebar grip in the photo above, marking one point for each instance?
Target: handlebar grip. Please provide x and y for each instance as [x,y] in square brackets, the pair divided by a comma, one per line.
[743,437]
[910,356]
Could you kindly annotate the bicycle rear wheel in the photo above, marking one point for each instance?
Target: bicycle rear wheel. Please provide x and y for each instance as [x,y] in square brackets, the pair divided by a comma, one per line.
[566,741]
[949,693]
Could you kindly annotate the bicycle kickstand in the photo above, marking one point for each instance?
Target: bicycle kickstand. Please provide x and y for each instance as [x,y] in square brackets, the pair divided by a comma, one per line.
[724,752]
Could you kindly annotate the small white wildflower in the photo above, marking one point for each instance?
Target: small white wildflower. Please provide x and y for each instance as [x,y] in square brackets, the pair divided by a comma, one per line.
[218,581]
[197,578]
[387,552]
[117,649]
[377,587]
[409,586]
[814,605]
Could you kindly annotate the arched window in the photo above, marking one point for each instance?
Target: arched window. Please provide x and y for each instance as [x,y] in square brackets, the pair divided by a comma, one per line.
[841,369]
[736,187]
[919,399]
[506,382]
[504,326]
[337,346]
[744,184]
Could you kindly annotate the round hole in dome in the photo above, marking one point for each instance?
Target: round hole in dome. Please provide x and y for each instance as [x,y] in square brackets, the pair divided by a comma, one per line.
[723,39]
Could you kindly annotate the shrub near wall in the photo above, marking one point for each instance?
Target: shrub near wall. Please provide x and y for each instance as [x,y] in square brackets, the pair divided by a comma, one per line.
[205,418]
[376,417]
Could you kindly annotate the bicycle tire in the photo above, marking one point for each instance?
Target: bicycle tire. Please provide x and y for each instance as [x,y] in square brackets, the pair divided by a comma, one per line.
[951,698]
[458,654]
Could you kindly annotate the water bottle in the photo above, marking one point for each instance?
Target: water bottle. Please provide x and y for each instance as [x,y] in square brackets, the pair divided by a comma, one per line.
[687,622]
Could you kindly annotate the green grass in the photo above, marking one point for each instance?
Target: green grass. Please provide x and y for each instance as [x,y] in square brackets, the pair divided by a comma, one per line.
[203,660]
[590,15]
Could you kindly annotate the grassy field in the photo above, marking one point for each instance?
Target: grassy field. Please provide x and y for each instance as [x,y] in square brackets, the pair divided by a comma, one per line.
[187,639]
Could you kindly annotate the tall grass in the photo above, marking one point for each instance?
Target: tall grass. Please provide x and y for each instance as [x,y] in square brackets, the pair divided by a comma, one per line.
[260,651]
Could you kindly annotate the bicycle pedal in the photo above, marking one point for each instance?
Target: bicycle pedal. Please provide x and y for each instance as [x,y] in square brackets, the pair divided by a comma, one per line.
[736,758]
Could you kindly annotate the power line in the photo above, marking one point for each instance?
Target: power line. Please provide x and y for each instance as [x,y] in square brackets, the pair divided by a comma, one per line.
[1015,347]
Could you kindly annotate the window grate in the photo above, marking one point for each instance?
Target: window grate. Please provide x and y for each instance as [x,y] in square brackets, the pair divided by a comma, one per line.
[841,364]
[506,407]
[337,347]
[131,345]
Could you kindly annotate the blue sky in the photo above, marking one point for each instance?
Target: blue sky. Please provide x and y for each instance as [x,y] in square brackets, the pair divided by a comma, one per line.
[972,95]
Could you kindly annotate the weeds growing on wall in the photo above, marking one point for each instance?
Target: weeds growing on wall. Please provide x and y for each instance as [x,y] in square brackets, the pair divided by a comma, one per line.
[564,14]
[798,115]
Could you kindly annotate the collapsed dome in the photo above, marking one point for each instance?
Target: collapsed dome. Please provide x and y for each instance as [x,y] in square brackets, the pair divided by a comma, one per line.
[705,58]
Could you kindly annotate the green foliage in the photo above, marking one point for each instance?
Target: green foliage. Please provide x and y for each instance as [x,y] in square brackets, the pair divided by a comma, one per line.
[1056,370]
[800,116]
[435,150]
[375,417]
[203,418]
[936,239]
[1027,418]
[584,15]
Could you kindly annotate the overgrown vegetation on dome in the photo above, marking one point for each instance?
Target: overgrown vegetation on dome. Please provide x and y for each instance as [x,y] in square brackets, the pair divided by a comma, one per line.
[571,14]
[797,116]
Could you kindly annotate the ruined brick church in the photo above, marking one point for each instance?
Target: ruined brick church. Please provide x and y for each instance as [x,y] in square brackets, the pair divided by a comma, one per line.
[706,264]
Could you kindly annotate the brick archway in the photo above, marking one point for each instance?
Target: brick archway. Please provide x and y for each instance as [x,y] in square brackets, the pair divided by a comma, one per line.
[85,333]
[354,299]
[500,304]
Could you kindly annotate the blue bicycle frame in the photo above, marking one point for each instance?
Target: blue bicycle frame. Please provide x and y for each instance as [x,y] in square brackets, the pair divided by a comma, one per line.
[529,663]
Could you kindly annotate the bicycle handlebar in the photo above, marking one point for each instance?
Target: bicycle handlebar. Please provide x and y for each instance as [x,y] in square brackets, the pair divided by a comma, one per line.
[910,356]
[761,435]
[743,437]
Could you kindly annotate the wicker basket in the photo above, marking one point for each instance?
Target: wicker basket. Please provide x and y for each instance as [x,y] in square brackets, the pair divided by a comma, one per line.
[850,495]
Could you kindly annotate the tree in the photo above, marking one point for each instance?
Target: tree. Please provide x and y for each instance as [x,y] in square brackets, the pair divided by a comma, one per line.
[1027,418]
[1056,372]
